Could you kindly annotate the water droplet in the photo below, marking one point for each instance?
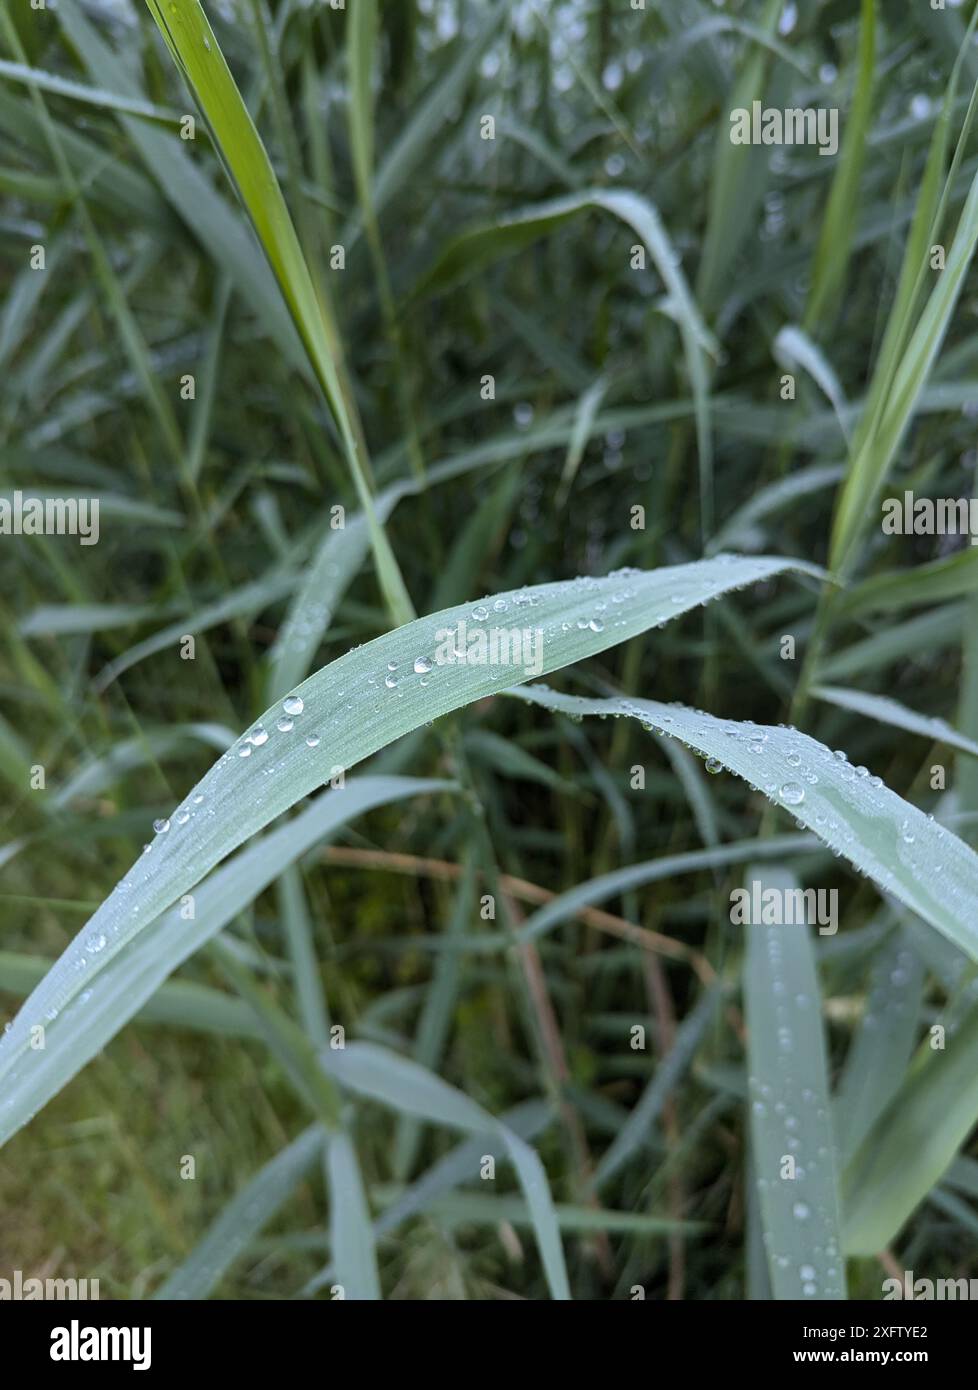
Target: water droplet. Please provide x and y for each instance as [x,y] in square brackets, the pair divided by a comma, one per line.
[293,705]
[793,760]
[258,735]
[391,682]
[312,741]
[422,665]
[714,765]
[792,793]
[800,1211]
[244,751]
[480,613]
[198,798]
[596,625]
[161,826]
[183,817]
[285,724]
[95,943]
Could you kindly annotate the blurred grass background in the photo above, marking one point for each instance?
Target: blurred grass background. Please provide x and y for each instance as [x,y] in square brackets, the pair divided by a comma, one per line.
[152,274]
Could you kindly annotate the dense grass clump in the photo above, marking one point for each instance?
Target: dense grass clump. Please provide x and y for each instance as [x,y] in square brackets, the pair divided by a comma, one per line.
[353,943]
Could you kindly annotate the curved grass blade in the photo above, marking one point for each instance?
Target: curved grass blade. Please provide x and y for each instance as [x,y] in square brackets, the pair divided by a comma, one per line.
[242,602]
[794,346]
[526,1120]
[887,711]
[102,992]
[741,526]
[177,1004]
[102,771]
[383,1075]
[619,881]
[88,96]
[479,246]
[892,842]
[345,712]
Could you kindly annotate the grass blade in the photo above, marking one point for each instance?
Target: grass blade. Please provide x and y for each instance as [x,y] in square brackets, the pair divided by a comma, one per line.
[243,1218]
[351,1235]
[790,1115]
[886,838]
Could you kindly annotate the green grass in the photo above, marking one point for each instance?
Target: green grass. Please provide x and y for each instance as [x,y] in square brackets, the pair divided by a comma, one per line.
[432,374]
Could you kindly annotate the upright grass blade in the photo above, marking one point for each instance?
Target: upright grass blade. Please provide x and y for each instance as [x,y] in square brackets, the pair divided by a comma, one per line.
[790,1118]
[908,353]
[197,53]
[298,929]
[833,250]
[351,1235]
[362,45]
[184,185]
[735,186]
[876,1063]
[243,1218]
[413,145]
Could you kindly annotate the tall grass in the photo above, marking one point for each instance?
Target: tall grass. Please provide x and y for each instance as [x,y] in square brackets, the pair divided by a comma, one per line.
[476,312]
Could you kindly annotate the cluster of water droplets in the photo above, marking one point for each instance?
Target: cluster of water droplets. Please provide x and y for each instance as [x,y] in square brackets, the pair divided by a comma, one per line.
[292,707]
